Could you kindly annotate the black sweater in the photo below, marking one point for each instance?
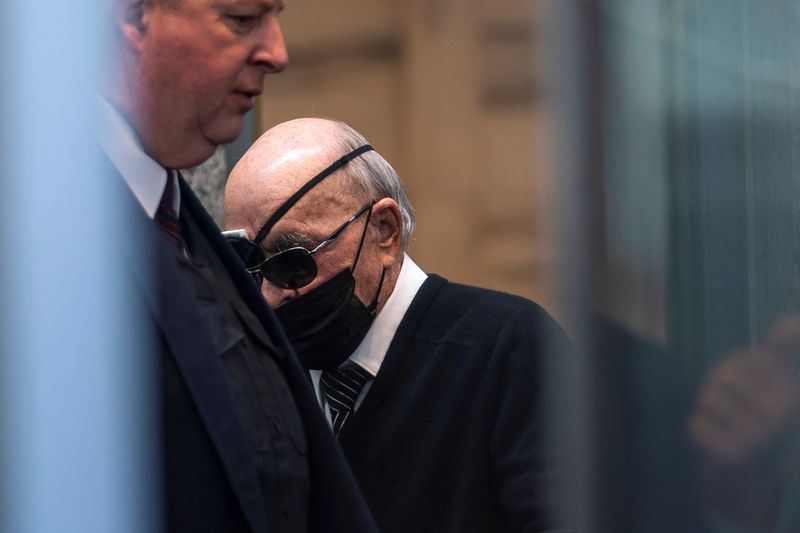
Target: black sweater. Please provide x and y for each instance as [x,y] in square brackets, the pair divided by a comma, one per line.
[449,437]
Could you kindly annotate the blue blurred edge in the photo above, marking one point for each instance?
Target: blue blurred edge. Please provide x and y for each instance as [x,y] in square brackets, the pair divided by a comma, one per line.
[77,400]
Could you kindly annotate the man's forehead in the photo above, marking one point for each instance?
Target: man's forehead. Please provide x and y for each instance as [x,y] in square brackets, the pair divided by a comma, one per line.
[280,163]
[298,143]
[284,173]
[295,167]
[311,218]
[320,203]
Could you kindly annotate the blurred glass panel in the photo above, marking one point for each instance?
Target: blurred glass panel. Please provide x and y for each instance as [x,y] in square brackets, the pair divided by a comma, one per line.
[76,418]
[680,167]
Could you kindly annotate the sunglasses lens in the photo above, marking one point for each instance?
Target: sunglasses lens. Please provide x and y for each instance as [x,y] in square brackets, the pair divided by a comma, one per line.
[250,254]
[290,269]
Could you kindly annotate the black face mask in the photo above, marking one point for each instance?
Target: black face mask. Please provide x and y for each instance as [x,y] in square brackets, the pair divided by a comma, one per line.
[326,325]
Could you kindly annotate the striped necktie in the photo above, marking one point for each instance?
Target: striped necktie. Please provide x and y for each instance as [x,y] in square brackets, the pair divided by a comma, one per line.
[341,388]
[167,215]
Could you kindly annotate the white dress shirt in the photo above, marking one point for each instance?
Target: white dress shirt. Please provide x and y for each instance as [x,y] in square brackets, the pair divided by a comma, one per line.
[145,177]
[372,350]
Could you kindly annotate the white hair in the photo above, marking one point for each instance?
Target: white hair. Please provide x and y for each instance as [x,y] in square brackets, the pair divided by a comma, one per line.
[373,175]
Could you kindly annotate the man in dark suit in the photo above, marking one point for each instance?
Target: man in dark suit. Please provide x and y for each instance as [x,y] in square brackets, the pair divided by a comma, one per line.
[244,445]
[436,390]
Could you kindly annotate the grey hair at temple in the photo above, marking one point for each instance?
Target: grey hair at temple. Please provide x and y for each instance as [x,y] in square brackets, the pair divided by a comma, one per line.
[371,173]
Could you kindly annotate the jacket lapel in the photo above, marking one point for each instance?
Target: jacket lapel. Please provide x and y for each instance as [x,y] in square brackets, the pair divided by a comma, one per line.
[244,283]
[336,504]
[171,301]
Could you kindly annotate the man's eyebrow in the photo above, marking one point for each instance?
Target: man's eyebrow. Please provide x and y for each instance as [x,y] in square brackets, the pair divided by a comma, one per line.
[277,5]
[287,240]
[263,5]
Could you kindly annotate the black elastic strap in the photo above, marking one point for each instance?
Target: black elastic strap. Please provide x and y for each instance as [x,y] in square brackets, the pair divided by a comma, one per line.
[363,235]
[373,306]
[339,163]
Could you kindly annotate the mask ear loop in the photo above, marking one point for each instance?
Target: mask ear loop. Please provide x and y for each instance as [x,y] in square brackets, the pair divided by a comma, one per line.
[361,242]
[373,306]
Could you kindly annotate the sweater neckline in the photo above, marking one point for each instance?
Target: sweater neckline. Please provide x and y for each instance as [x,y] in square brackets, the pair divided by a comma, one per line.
[368,413]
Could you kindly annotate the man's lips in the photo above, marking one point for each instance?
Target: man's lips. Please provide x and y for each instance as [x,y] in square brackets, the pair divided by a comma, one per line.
[244,98]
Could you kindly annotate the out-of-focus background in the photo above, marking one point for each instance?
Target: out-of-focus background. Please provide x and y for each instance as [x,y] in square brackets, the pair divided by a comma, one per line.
[631,165]
[449,93]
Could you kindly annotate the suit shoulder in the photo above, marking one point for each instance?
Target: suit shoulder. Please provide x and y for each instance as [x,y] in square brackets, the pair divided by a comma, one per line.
[501,305]
[477,316]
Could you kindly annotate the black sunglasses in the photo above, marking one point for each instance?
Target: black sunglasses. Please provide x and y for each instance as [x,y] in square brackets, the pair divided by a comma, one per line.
[293,268]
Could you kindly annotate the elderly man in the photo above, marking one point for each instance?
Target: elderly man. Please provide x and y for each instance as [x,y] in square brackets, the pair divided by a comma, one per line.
[433,388]
[244,445]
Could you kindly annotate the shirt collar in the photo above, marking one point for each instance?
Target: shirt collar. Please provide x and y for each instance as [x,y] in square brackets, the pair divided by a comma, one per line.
[144,176]
[372,350]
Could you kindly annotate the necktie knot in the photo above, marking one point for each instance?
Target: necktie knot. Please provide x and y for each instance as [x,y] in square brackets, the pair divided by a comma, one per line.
[341,388]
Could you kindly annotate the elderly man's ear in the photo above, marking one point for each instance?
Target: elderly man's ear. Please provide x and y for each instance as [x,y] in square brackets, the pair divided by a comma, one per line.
[388,220]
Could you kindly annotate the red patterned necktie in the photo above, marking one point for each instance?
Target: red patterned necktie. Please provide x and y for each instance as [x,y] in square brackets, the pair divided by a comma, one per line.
[167,216]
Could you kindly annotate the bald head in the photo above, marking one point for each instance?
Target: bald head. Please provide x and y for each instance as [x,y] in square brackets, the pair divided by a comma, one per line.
[278,164]
[362,203]
[288,155]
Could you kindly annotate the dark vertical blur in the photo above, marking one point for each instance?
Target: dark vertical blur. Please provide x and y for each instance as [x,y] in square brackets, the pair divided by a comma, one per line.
[679,168]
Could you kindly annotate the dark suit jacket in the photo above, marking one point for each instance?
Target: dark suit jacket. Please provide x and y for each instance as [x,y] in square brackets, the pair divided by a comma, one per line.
[458,420]
[210,483]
